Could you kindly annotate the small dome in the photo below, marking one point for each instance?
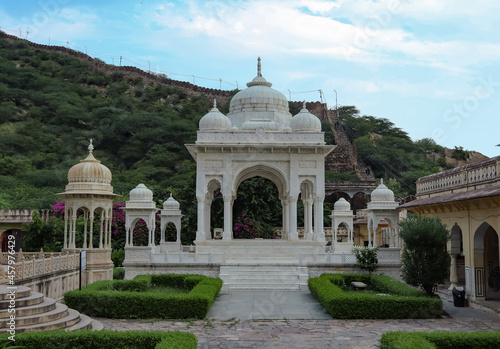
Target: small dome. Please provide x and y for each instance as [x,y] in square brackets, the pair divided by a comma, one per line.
[382,193]
[141,193]
[89,174]
[259,101]
[305,122]
[171,204]
[342,205]
[214,120]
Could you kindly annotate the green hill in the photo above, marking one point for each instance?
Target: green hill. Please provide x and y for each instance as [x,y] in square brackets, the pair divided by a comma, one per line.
[53,100]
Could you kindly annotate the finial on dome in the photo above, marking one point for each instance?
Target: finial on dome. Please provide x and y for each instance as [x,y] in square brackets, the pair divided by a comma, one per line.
[170,194]
[215,106]
[381,181]
[91,147]
[258,67]
[304,104]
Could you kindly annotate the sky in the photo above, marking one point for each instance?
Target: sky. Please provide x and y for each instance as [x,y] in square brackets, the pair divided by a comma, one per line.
[432,67]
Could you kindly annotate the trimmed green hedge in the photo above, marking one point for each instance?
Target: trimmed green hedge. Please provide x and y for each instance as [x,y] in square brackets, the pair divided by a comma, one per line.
[440,340]
[118,273]
[401,301]
[105,339]
[129,299]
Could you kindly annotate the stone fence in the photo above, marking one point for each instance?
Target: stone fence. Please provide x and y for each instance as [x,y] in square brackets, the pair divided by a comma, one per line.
[386,256]
[38,264]
[481,173]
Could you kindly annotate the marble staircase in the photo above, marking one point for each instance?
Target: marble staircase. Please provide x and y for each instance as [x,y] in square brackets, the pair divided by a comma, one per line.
[34,312]
[263,277]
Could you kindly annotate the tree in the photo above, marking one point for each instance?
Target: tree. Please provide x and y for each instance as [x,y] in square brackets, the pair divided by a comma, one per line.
[366,258]
[425,260]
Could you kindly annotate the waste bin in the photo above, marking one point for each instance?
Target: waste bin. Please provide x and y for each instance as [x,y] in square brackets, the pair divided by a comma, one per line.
[458,296]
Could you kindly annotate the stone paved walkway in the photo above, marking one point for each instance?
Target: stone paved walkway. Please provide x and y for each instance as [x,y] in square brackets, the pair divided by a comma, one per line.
[296,321]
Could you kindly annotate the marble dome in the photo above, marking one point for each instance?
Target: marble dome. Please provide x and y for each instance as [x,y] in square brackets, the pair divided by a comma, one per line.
[305,121]
[382,193]
[342,205]
[89,174]
[171,204]
[141,193]
[259,101]
[214,120]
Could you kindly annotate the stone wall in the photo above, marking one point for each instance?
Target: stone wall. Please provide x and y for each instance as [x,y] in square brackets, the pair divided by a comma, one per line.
[130,71]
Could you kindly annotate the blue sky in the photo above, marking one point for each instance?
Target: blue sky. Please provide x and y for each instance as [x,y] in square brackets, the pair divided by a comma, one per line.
[432,67]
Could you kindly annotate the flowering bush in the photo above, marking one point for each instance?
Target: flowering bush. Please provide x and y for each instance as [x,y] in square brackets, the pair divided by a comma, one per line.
[248,228]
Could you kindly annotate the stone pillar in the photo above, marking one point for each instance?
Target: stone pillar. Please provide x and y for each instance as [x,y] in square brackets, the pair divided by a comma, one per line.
[200,233]
[284,225]
[101,227]
[308,219]
[227,234]
[73,230]
[319,231]
[208,205]
[91,230]
[292,209]
[65,243]
[453,271]
[370,228]
[85,220]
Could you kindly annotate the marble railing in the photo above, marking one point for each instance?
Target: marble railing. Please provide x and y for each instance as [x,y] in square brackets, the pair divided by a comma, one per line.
[188,258]
[461,177]
[24,265]
[384,256]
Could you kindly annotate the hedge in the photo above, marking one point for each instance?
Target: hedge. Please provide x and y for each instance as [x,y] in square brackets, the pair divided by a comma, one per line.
[400,302]
[104,339]
[440,340]
[129,299]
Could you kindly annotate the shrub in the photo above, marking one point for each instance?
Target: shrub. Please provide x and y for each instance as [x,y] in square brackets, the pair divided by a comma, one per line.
[366,258]
[399,302]
[440,340]
[105,339]
[118,273]
[117,256]
[101,298]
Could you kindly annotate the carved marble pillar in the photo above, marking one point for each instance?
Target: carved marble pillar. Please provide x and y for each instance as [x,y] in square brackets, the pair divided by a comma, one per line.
[292,209]
[65,243]
[200,233]
[319,231]
[308,219]
[85,221]
[228,233]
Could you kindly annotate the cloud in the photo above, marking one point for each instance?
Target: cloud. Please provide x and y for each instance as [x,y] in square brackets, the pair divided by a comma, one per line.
[311,28]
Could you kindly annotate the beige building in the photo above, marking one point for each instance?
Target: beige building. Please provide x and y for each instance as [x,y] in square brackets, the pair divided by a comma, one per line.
[467,200]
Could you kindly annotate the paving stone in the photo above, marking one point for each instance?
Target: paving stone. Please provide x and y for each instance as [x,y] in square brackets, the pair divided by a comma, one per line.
[227,327]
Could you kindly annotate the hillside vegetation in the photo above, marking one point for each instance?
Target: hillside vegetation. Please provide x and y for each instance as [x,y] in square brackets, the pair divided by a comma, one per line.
[51,104]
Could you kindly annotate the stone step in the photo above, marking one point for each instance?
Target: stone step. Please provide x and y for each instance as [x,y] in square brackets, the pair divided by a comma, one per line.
[32,299]
[59,312]
[263,287]
[20,292]
[72,318]
[48,304]
[86,323]
[256,277]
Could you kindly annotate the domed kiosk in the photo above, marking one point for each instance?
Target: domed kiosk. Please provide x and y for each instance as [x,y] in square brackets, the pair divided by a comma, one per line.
[263,140]
[89,191]
[257,138]
[382,207]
